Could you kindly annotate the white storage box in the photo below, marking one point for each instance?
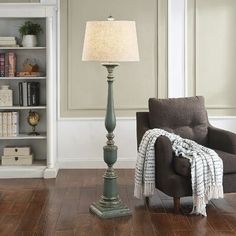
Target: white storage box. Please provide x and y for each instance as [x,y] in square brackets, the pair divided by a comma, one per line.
[16,151]
[17,160]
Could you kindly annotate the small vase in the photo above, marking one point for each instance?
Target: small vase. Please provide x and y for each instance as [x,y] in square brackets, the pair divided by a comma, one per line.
[29,41]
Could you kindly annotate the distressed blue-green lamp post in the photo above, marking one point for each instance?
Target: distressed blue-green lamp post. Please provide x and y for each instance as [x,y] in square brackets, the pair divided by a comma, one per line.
[110,42]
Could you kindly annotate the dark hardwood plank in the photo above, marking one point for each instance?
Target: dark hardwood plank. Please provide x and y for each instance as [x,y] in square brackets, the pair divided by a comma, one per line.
[87,196]
[50,213]
[217,222]
[61,207]
[30,217]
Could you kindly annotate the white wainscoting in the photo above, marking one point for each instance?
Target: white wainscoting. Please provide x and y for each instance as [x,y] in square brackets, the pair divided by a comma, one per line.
[81,141]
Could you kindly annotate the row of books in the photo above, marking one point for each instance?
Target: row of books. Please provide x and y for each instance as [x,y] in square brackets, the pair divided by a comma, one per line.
[8,42]
[9,124]
[7,64]
[29,93]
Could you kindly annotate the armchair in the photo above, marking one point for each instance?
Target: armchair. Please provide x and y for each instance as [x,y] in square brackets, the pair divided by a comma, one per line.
[186,117]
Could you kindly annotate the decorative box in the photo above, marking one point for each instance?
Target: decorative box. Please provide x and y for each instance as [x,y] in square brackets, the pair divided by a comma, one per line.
[5,96]
[17,160]
[16,151]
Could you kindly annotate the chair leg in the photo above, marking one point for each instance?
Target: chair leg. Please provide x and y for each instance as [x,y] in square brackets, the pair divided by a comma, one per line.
[147,201]
[177,209]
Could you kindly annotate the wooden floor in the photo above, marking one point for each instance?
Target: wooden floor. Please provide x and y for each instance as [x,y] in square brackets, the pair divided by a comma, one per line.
[60,207]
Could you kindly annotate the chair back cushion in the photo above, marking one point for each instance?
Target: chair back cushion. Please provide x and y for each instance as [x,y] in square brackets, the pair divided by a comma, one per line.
[186,117]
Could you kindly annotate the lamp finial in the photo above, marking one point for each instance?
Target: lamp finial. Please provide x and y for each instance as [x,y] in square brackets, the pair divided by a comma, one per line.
[110,18]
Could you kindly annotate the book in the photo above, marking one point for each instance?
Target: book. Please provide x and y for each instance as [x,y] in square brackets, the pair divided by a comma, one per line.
[9,124]
[25,94]
[29,94]
[4,124]
[7,42]
[7,38]
[12,64]
[2,64]
[15,123]
[33,93]
[1,124]
[6,65]
[10,46]
[20,85]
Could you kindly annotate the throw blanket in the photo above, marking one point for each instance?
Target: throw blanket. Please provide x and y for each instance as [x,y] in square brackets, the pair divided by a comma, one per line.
[206,168]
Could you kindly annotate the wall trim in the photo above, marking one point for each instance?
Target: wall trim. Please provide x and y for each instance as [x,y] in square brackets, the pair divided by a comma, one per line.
[95,163]
[68,119]
[222,117]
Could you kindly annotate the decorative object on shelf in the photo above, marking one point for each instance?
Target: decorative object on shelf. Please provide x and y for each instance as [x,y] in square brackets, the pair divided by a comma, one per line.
[30,68]
[6,96]
[17,156]
[15,150]
[29,32]
[111,42]
[30,65]
[33,120]
[28,74]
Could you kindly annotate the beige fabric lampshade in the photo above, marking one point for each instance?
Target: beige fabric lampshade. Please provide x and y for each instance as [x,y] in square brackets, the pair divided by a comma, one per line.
[110,41]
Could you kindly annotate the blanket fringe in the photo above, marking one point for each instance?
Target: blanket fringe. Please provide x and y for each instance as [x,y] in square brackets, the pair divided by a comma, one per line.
[199,203]
[144,190]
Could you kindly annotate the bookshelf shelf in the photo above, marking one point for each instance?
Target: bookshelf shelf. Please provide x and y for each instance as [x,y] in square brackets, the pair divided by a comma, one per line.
[24,137]
[36,170]
[24,108]
[22,48]
[36,164]
[22,78]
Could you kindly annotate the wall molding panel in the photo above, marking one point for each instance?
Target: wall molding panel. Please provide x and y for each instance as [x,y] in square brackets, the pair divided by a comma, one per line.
[83,86]
[211,54]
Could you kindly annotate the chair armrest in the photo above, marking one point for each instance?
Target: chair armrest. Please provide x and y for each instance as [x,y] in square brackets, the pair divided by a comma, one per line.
[142,123]
[222,140]
[167,180]
[163,158]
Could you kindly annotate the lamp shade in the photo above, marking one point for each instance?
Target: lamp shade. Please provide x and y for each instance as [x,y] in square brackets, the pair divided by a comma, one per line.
[110,41]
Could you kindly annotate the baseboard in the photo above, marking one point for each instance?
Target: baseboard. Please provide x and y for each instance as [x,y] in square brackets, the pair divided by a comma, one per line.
[74,163]
[50,173]
[10,172]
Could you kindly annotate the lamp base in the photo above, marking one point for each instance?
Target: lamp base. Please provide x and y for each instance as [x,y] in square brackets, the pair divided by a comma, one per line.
[110,212]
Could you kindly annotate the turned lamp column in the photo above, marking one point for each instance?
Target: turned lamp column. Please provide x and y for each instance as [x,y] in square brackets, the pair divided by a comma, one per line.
[110,204]
[110,41]
[110,150]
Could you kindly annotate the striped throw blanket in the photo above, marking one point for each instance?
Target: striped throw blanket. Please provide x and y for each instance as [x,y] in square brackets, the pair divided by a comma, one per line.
[206,168]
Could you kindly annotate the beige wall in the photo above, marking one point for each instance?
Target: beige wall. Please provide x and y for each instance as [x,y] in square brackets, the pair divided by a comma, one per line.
[83,84]
[212,54]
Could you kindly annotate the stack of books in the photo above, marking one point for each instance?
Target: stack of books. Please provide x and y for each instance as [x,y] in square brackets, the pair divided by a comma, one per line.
[9,124]
[29,93]
[8,42]
[8,64]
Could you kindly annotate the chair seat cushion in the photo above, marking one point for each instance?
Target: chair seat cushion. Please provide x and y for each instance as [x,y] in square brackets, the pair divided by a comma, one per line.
[182,165]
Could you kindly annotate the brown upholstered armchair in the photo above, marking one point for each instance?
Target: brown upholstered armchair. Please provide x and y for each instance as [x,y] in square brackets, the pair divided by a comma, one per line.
[186,117]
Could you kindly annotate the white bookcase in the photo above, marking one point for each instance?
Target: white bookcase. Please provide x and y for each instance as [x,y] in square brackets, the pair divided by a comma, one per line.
[12,16]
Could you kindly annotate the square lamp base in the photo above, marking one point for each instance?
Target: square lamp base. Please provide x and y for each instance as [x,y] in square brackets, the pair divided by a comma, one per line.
[110,212]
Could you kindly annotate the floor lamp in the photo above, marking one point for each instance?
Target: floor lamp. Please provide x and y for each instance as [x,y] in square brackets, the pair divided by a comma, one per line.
[110,42]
